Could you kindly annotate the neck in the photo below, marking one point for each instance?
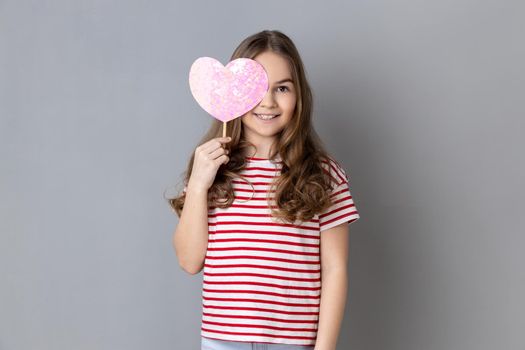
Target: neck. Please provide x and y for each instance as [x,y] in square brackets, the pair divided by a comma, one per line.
[262,148]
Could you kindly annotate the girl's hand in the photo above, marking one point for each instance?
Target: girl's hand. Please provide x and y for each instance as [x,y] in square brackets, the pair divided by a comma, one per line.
[208,158]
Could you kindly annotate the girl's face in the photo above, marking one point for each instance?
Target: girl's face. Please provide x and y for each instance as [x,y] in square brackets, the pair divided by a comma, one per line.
[279,101]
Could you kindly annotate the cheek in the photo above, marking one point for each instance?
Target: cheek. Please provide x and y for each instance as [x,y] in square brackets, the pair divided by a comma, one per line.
[243,119]
[287,102]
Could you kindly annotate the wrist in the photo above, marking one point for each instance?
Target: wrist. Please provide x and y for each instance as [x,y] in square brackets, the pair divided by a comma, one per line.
[196,189]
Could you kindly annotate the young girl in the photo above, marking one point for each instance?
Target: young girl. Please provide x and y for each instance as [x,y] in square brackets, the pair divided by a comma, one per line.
[265,212]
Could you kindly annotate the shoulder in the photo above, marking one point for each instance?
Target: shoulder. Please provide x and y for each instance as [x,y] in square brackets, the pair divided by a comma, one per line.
[335,170]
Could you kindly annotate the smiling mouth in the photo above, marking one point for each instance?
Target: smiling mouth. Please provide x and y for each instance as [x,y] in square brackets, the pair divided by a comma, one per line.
[266,116]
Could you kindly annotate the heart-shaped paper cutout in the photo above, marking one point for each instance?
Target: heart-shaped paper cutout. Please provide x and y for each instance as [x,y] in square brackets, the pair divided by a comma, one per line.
[228,92]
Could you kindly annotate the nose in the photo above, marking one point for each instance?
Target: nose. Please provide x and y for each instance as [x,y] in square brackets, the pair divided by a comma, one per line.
[268,100]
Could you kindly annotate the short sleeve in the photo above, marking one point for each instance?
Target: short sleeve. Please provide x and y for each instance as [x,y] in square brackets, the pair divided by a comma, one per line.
[343,208]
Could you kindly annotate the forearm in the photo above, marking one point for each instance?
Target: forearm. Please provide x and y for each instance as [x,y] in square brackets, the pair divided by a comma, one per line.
[333,301]
[191,235]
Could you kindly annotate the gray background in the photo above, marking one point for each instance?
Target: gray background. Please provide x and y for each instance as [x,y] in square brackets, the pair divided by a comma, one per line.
[421,101]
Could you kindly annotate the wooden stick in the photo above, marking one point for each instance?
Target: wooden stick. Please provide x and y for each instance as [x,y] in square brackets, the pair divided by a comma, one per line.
[224,129]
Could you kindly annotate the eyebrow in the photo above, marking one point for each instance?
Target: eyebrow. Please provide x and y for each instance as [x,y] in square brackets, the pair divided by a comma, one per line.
[287,80]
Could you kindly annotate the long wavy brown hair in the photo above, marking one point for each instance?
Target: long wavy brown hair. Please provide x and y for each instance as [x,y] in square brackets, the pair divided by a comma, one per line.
[303,188]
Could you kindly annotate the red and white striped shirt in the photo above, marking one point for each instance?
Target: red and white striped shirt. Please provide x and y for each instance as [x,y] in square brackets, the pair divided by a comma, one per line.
[262,277]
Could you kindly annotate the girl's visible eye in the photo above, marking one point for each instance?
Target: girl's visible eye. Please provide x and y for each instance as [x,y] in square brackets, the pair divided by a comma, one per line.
[286,87]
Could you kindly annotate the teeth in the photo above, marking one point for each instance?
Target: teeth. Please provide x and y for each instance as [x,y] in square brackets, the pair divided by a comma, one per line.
[266,116]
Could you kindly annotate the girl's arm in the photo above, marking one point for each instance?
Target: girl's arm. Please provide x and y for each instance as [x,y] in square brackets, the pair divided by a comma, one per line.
[334,279]
[190,238]
[191,235]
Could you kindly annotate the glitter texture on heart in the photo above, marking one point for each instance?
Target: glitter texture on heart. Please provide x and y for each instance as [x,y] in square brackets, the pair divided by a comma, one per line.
[227,92]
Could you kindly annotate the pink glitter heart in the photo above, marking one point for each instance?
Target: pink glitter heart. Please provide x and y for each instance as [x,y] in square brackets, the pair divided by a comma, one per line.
[227,92]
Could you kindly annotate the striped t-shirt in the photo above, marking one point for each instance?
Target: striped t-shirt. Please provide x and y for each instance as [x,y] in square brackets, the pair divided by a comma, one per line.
[262,277]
